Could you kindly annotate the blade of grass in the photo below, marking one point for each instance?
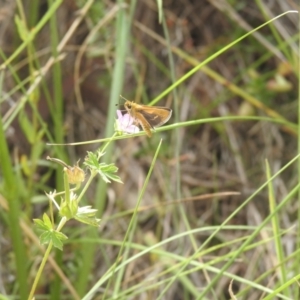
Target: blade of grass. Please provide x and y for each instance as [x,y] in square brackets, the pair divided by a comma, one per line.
[56,284]
[35,30]
[58,117]
[264,276]
[129,229]
[293,281]
[251,237]
[132,225]
[275,33]
[176,110]
[122,38]
[122,29]
[245,244]
[43,71]
[235,89]
[157,249]
[33,13]
[160,10]
[178,142]
[276,230]
[212,57]
[10,190]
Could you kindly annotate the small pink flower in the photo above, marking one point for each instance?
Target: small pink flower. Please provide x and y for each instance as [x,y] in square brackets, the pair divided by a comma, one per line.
[125,123]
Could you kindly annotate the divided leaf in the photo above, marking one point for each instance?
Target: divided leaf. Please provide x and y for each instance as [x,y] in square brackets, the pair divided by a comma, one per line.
[106,171]
[48,234]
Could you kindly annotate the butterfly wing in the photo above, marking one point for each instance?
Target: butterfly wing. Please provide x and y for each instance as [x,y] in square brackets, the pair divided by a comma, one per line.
[156,116]
[144,123]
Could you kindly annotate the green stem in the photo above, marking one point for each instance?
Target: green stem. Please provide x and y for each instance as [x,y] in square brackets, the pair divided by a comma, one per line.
[67,187]
[40,270]
[108,142]
[45,258]
[93,174]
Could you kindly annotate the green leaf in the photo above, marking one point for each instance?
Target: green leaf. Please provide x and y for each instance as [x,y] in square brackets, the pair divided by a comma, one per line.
[23,33]
[104,170]
[40,225]
[45,237]
[43,225]
[93,221]
[37,149]
[57,239]
[27,127]
[48,234]
[86,215]
[108,168]
[114,178]
[47,221]
[92,160]
[104,177]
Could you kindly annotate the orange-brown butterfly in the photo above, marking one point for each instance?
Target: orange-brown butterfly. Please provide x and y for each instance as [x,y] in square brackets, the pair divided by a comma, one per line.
[148,117]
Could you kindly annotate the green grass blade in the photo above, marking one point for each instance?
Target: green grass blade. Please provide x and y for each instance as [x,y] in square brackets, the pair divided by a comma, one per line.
[33,33]
[122,29]
[11,193]
[212,57]
[251,237]
[94,289]
[276,229]
[132,225]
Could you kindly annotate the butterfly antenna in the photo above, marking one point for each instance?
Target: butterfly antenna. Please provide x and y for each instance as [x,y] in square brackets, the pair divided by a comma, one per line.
[123,98]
